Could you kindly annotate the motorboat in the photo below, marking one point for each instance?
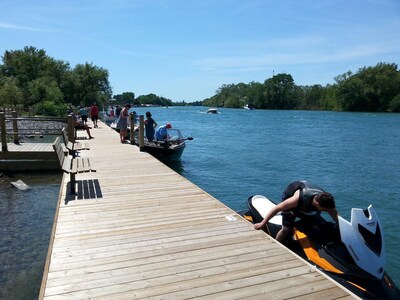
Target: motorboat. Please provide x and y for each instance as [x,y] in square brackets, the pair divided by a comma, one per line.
[249,106]
[113,125]
[212,111]
[168,149]
[109,120]
[352,253]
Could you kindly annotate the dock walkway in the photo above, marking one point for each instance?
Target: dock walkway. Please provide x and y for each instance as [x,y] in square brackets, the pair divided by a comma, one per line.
[138,230]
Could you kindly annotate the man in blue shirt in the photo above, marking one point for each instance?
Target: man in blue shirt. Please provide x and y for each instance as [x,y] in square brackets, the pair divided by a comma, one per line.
[162,132]
[83,111]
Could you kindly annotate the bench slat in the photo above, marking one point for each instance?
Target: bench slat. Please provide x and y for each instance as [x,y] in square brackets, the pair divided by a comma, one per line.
[81,165]
[66,166]
[91,166]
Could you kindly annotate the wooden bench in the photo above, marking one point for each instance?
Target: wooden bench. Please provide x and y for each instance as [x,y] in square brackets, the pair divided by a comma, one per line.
[76,131]
[72,165]
[73,148]
[72,117]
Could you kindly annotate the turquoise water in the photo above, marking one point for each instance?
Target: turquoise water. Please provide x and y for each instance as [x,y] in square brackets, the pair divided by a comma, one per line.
[234,154]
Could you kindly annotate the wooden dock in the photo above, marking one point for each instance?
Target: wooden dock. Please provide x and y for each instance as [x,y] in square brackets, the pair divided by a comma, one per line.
[138,230]
[28,156]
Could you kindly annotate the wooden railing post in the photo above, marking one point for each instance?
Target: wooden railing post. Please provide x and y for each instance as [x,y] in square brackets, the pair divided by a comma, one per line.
[132,128]
[141,132]
[15,127]
[3,132]
[71,128]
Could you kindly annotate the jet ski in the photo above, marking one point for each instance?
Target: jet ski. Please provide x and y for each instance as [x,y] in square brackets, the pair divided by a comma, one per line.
[352,253]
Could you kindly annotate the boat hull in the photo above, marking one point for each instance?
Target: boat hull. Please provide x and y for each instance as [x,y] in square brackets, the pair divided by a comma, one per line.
[165,152]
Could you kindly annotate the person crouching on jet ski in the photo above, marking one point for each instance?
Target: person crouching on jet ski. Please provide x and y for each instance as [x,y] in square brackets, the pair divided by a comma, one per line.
[300,199]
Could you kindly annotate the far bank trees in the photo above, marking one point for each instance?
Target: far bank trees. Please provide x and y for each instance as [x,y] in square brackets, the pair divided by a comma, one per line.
[373,89]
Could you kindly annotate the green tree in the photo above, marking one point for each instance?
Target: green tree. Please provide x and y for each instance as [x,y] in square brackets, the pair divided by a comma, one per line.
[329,99]
[126,97]
[90,84]
[49,108]
[44,89]
[312,96]
[40,78]
[152,99]
[370,89]
[280,92]
[10,93]
[394,105]
[255,94]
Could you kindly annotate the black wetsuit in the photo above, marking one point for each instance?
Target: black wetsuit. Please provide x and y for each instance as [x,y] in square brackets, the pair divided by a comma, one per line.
[304,207]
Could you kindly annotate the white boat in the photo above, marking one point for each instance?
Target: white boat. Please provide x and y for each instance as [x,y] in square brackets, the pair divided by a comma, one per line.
[212,111]
[249,106]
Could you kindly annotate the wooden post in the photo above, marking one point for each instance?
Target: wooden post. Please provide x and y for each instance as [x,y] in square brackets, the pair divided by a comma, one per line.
[141,132]
[3,132]
[71,128]
[132,128]
[15,127]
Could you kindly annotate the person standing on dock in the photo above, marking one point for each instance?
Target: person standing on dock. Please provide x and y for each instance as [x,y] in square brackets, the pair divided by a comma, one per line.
[149,125]
[300,199]
[83,111]
[122,123]
[118,111]
[94,114]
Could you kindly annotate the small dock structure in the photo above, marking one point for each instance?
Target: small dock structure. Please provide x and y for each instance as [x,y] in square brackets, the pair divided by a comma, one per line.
[17,156]
[136,229]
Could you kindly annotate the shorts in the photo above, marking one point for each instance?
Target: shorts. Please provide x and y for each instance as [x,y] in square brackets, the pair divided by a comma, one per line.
[288,218]
[95,118]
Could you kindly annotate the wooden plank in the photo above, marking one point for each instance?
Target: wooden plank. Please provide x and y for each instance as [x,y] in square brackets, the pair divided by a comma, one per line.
[153,234]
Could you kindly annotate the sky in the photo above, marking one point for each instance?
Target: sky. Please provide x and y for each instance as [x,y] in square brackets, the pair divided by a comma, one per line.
[185,50]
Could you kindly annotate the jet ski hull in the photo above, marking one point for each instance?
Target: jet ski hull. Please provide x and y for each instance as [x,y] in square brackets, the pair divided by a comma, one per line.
[319,242]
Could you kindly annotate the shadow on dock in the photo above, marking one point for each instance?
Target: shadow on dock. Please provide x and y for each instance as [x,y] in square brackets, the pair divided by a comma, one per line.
[85,189]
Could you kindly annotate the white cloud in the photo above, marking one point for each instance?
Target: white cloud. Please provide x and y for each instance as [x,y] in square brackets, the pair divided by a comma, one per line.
[23,28]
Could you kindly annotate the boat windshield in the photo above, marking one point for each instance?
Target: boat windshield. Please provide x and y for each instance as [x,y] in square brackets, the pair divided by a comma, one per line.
[174,134]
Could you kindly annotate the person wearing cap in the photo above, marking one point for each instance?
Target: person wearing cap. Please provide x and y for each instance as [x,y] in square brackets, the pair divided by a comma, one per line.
[300,199]
[162,132]
[149,125]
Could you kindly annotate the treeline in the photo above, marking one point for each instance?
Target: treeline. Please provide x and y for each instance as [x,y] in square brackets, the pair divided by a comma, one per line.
[31,78]
[371,89]
[150,99]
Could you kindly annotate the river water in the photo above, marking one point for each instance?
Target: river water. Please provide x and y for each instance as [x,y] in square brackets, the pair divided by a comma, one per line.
[234,154]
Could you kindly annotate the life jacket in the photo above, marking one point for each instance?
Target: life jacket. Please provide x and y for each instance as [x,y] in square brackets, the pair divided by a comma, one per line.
[307,192]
